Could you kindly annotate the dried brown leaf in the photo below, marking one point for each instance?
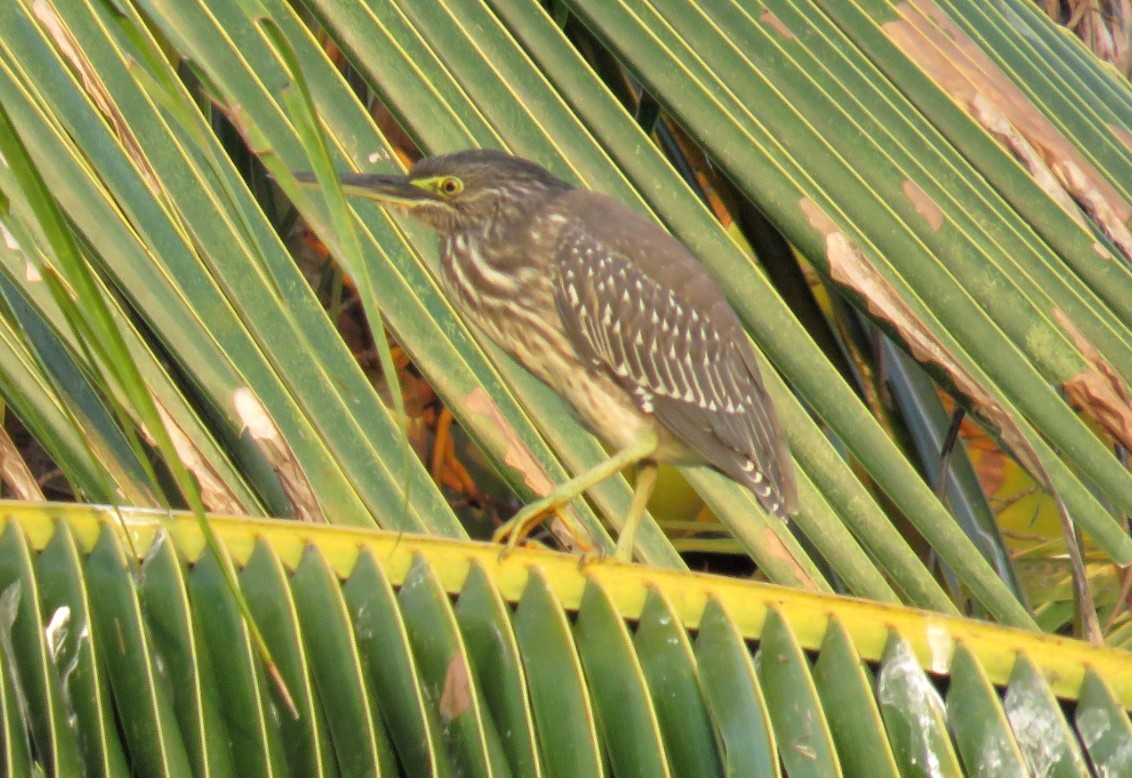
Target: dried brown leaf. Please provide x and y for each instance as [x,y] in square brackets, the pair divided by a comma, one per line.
[516,453]
[456,696]
[924,205]
[259,424]
[88,75]
[214,492]
[1099,391]
[928,36]
[986,113]
[1122,134]
[774,548]
[767,17]
[849,267]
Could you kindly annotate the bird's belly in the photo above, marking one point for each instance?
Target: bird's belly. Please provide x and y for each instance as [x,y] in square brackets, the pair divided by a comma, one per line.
[606,409]
[602,405]
[609,412]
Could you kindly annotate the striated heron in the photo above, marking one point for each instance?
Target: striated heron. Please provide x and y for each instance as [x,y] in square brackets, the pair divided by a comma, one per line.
[610,311]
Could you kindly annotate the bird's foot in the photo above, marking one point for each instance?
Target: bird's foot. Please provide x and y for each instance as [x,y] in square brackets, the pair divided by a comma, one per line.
[516,529]
[594,556]
[622,552]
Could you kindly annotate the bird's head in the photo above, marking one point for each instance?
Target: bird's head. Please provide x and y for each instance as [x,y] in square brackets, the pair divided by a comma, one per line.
[473,189]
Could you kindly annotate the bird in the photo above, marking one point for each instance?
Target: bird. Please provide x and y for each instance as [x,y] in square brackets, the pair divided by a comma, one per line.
[610,311]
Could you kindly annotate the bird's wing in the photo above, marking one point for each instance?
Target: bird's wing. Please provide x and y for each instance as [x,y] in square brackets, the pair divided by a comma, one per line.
[636,303]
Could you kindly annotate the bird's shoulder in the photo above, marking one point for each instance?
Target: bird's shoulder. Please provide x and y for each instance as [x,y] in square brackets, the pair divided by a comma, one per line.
[595,222]
[619,229]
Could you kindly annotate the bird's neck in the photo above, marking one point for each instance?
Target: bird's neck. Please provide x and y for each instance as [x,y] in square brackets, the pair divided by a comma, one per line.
[489,234]
[497,258]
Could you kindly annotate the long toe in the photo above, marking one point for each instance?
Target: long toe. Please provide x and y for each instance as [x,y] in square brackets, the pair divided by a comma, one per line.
[587,558]
[516,529]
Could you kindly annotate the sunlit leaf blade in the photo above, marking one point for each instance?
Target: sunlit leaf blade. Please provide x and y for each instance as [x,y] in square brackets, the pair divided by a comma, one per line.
[49,393]
[665,653]
[16,751]
[165,605]
[977,720]
[845,684]
[735,699]
[792,700]
[564,716]
[914,715]
[452,687]
[142,697]
[257,747]
[75,655]
[26,637]
[352,714]
[305,738]
[383,642]
[486,627]
[1047,743]
[625,713]
[1103,727]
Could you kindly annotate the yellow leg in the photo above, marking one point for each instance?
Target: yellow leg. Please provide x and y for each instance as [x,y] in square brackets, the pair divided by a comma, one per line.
[646,480]
[532,515]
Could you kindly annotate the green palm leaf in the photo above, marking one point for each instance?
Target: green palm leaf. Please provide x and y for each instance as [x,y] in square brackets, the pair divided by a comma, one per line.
[433,655]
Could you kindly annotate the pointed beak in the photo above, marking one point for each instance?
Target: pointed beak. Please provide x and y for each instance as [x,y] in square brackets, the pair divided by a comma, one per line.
[385,189]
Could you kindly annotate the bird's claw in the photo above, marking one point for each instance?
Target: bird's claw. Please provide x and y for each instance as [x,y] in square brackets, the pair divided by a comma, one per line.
[508,536]
[513,531]
[591,557]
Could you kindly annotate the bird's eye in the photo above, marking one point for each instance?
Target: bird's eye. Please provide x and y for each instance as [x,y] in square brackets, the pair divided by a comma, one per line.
[450,186]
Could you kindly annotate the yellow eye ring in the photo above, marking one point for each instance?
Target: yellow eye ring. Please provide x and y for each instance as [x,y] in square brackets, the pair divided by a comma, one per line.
[449,186]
